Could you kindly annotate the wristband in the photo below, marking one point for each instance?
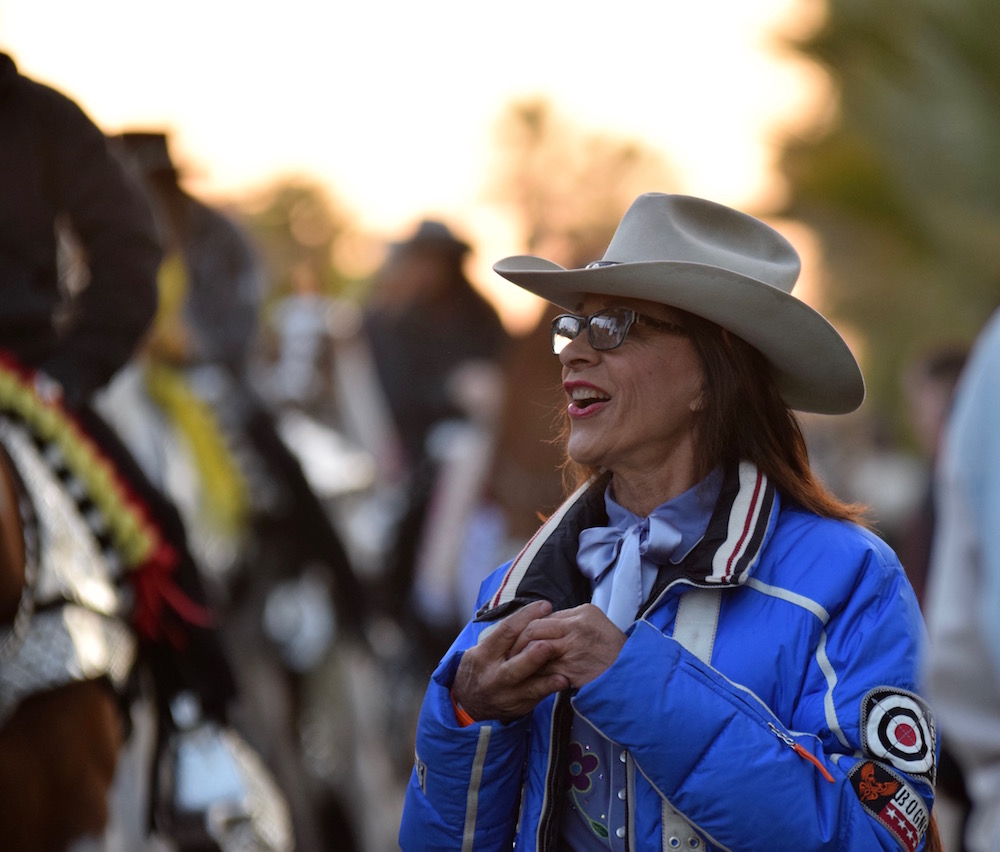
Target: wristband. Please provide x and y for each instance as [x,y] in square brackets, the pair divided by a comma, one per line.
[461,716]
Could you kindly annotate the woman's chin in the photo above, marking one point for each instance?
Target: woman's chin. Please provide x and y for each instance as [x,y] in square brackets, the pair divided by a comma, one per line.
[586,454]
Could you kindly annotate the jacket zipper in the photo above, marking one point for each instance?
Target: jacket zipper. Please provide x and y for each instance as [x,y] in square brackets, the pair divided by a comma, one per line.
[547,838]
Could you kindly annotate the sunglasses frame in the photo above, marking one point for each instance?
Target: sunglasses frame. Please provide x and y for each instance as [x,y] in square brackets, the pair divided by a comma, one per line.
[631,318]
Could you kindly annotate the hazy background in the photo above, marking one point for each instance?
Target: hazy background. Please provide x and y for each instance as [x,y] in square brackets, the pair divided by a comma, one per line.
[393,107]
[869,133]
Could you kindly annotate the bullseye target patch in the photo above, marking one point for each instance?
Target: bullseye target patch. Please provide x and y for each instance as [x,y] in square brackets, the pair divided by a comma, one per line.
[898,727]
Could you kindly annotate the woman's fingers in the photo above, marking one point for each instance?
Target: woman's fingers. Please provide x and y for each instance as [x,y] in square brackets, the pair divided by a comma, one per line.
[532,653]
[491,684]
[557,625]
[579,643]
[506,633]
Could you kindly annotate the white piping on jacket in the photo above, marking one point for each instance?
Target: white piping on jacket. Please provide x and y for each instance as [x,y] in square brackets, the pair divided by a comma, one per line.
[472,799]
[822,660]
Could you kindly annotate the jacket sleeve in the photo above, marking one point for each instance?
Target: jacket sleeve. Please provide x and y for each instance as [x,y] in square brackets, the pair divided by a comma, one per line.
[108,213]
[466,782]
[728,764]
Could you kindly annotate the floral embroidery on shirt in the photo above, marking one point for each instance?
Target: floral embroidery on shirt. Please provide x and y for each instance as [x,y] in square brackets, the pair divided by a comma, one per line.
[582,764]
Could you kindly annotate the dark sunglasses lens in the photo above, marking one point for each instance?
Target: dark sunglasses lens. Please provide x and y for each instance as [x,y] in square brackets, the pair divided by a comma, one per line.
[564,329]
[607,329]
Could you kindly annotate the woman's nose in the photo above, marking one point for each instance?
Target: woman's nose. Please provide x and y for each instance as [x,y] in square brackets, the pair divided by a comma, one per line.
[578,350]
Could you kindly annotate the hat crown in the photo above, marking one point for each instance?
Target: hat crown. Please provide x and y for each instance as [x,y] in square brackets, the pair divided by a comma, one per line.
[681,229]
[148,150]
[431,229]
[433,234]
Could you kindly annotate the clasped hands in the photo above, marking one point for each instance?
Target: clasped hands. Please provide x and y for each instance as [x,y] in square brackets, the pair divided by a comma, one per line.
[532,653]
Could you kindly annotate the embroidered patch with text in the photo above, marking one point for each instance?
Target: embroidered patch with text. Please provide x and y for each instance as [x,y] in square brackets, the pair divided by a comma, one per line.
[898,727]
[888,798]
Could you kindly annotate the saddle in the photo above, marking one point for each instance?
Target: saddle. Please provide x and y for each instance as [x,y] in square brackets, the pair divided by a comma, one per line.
[72,622]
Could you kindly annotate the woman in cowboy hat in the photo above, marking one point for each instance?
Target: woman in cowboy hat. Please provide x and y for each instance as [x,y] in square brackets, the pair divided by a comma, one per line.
[701,648]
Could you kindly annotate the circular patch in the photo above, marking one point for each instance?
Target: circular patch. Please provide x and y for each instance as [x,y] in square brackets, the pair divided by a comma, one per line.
[900,730]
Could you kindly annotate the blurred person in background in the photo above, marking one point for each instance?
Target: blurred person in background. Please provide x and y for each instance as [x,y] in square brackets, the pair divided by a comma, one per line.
[701,614]
[425,323]
[284,580]
[211,284]
[191,369]
[929,386]
[963,593]
[301,327]
[222,284]
[434,345]
[57,169]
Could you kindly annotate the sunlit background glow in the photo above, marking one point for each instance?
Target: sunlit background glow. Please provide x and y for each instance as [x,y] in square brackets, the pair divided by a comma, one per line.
[393,105]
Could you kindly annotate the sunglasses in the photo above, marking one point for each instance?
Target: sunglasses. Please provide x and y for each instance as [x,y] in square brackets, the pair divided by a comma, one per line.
[606,329]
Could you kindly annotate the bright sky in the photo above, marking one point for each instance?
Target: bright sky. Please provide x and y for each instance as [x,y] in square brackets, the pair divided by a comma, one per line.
[393,103]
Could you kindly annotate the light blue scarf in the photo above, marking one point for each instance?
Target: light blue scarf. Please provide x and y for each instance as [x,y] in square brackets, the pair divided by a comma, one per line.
[622,558]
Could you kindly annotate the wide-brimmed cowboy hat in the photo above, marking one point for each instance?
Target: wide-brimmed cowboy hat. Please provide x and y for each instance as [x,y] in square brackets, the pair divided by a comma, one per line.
[725,266]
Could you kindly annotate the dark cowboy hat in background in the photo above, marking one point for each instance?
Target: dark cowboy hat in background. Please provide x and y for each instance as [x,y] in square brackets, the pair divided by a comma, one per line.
[434,235]
[725,266]
[147,150]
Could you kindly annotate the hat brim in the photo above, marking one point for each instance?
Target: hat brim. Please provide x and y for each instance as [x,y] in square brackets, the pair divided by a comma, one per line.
[814,368]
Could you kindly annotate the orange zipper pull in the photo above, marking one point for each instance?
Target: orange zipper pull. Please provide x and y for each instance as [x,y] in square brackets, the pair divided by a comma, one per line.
[801,751]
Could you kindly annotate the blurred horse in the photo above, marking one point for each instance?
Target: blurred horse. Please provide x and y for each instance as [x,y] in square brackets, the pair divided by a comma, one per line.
[90,758]
[58,745]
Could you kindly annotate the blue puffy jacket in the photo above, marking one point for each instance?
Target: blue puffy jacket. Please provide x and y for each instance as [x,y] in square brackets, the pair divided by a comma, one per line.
[765,698]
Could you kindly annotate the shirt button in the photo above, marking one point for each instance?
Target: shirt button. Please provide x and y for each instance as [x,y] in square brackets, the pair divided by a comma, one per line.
[620,833]
[623,756]
[621,794]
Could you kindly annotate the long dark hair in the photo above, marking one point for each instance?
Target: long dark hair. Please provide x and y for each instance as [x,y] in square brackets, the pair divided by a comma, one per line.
[745,419]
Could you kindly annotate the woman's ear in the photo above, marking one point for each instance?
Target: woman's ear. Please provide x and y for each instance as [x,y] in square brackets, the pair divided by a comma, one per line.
[698,403]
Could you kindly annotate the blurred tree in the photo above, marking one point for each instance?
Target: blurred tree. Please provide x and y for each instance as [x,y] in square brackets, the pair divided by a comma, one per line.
[296,225]
[568,187]
[902,186]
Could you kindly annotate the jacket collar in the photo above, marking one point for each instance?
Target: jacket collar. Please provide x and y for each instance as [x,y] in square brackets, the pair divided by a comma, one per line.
[731,547]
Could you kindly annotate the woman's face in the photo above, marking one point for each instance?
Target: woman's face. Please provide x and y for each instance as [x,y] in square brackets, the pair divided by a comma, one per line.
[632,409]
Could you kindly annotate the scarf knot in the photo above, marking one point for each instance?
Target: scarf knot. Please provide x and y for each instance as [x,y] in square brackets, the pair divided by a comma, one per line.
[612,558]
